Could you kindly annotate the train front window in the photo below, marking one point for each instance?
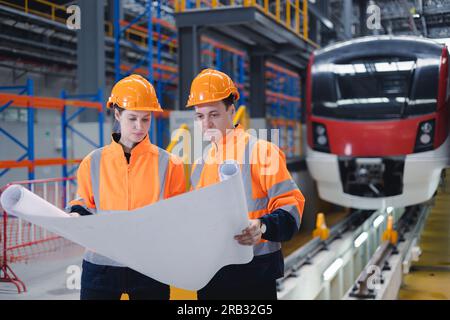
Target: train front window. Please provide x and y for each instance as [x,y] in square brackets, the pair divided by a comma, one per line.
[376,88]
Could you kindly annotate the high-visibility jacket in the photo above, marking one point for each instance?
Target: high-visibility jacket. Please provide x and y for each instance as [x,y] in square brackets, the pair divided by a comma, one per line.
[267,182]
[107,183]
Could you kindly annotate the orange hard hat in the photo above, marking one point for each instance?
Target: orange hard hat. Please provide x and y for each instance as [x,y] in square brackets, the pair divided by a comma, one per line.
[134,93]
[211,86]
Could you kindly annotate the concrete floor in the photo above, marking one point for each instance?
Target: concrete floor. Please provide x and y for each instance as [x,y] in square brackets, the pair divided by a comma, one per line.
[430,276]
[46,276]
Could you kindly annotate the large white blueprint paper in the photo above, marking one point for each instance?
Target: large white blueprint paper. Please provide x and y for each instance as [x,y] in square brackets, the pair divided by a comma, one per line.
[182,241]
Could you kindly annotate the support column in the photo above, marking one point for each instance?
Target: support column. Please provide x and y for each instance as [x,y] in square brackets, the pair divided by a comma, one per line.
[303,88]
[347,18]
[189,62]
[91,52]
[315,29]
[257,103]
[362,18]
[110,10]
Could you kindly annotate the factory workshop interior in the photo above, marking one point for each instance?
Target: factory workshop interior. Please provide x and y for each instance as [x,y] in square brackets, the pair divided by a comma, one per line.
[349,98]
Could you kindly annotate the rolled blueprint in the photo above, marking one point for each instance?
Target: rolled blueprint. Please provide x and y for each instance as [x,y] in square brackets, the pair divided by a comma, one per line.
[13,202]
[228,169]
[182,241]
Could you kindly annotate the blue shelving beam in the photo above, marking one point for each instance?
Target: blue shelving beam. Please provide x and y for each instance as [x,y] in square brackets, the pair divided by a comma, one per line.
[27,89]
[66,125]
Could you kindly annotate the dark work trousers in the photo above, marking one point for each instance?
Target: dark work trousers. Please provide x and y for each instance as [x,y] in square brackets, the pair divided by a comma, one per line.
[99,282]
[235,283]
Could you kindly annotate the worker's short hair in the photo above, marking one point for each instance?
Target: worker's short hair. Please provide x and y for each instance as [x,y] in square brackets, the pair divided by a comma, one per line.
[228,101]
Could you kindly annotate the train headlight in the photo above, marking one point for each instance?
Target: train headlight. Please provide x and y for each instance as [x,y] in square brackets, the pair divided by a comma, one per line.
[320,130]
[426,127]
[320,137]
[425,136]
[322,140]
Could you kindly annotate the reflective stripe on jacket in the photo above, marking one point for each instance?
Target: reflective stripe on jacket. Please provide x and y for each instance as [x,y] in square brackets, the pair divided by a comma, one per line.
[267,182]
[107,183]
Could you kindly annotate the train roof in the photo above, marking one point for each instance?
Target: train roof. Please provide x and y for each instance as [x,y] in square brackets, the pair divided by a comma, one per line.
[380,45]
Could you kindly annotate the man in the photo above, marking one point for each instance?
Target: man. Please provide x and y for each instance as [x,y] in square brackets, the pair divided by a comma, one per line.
[274,201]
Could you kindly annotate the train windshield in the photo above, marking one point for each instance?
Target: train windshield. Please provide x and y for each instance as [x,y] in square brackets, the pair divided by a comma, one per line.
[377,88]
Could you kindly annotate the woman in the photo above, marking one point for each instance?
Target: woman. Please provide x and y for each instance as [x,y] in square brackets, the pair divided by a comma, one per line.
[127,174]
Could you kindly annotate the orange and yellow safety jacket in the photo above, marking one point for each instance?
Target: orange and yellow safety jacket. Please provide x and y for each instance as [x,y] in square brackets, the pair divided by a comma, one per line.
[108,183]
[271,193]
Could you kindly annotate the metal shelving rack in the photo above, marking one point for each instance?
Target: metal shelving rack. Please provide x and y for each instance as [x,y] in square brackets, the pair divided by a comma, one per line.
[26,90]
[284,107]
[229,60]
[26,99]
[91,100]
